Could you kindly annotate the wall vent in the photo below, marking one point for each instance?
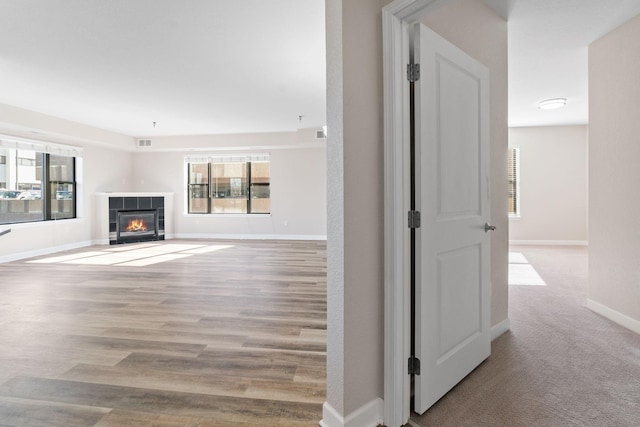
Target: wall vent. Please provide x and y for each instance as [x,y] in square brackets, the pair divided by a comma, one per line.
[320,134]
[144,143]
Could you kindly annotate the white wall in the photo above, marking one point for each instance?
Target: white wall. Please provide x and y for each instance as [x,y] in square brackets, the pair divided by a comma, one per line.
[553,185]
[298,194]
[614,175]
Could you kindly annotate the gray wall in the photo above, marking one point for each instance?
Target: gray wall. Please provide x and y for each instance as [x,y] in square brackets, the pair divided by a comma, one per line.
[614,172]
[553,185]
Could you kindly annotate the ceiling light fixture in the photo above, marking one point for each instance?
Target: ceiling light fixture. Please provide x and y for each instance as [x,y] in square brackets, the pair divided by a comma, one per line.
[552,104]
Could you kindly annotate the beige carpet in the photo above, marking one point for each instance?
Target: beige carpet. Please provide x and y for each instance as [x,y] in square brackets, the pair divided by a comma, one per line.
[560,365]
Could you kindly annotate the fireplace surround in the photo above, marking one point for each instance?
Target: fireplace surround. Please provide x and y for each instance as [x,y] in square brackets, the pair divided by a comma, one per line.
[104,221]
[136,219]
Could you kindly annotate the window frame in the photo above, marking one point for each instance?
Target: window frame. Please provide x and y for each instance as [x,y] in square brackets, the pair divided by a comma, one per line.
[50,192]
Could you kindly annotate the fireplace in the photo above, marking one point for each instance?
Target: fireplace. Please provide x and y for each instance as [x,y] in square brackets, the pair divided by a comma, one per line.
[136,219]
[137,226]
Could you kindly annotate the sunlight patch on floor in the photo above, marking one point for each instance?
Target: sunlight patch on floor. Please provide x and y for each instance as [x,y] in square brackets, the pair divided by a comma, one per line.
[517,258]
[521,273]
[130,247]
[207,249]
[153,260]
[133,255]
[63,258]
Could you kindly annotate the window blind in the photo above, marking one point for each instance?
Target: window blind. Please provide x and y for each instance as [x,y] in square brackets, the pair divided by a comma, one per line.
[513,177]
[231,158]
[40,146]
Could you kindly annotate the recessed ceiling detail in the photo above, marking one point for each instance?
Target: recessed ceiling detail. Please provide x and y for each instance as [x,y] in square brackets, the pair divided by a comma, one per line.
[552,104]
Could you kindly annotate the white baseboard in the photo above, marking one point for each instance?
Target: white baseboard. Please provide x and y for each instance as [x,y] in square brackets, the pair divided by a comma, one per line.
[54,249]
[368,415]
[500,328]
[44,251]
[549,242]
[250,236]
[614,316]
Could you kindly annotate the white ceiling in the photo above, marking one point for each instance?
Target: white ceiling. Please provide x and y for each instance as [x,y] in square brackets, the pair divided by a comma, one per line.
[193,67]
[219,66]
[548,54]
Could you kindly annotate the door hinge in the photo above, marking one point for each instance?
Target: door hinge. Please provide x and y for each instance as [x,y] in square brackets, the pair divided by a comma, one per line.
[414,366]
[414,219]
[413,72]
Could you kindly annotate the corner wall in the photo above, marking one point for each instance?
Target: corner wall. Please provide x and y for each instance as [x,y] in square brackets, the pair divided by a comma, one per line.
[614,175]
[553,185]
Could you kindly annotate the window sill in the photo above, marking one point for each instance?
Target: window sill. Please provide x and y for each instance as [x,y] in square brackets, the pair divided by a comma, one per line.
[33,224]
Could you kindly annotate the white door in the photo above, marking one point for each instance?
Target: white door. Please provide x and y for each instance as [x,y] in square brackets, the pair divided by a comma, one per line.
[452,194]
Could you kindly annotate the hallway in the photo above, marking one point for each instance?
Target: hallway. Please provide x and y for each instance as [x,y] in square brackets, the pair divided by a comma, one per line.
[559,365]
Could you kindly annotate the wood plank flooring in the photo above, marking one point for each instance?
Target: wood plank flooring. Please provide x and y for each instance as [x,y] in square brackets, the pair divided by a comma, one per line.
[174,333]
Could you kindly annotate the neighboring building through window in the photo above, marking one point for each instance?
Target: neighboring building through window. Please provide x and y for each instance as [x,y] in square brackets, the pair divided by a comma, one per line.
[36,185]
[513,172]
[231,184]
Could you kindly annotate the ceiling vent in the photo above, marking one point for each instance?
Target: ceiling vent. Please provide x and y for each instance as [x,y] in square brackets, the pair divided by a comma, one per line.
[144,143]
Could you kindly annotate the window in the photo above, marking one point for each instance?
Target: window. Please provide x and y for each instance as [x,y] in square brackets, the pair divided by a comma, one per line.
[25,161]
[223,185]
[61,185]
[513,172]
[36,184]
[198,190]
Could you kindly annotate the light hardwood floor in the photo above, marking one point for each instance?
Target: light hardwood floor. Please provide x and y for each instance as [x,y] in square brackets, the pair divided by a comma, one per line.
[174,333]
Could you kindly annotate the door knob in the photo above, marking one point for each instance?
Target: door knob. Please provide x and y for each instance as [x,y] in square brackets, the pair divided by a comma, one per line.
[488,227]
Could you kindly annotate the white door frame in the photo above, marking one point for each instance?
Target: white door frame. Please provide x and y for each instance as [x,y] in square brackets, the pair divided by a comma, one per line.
[396,19]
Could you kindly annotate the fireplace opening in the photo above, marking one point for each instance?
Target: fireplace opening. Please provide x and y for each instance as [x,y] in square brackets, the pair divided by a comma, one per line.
[137,226]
